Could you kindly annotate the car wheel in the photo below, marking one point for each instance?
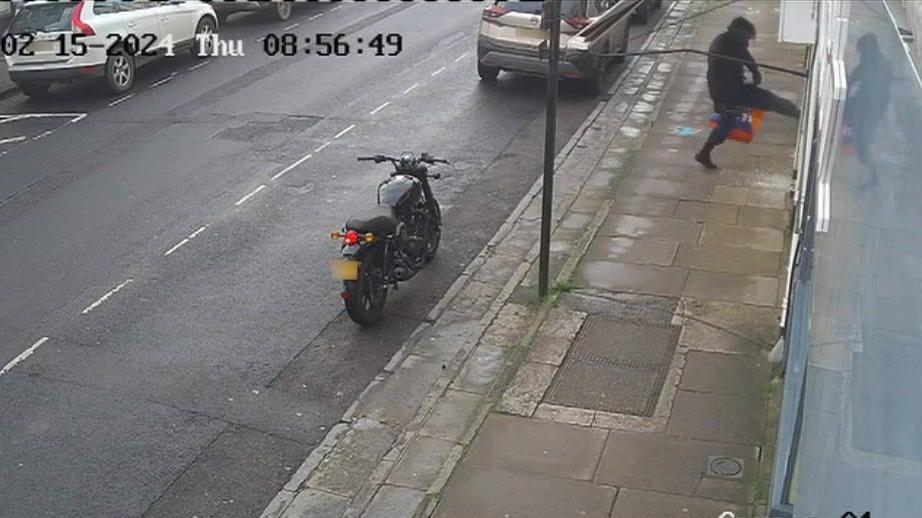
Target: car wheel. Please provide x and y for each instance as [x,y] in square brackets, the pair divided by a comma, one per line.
[204,31]
[34,89]
[487,74]
[282,11]
[120,72]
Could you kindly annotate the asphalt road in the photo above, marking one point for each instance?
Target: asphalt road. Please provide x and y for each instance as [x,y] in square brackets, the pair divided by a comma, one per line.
[168,268]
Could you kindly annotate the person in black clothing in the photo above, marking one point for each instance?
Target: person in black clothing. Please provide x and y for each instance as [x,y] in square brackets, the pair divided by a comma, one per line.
[729,89]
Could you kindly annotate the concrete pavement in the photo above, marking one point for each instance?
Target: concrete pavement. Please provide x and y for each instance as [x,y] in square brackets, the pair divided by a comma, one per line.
[644,389]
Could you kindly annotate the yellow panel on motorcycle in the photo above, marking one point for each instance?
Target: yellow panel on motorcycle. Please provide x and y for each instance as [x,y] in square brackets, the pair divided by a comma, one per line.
[345,270]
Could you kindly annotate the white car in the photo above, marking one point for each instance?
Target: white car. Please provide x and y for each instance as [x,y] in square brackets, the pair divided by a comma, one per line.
[52,42]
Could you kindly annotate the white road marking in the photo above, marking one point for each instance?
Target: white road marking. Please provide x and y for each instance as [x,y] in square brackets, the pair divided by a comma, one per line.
[43,134]
[11,140]
[105,297]
[337,8]
[75,117]
[200,65]
[163,81]
[260,39]
[459,58]
[190,237]
[23,355]
[176,247]
[312,18]
[292,166]
[197,232]
[410,89]
[439,71]
[122,99]
[290,27]
[343,132]
[321,148]
[248,196]
[379,108]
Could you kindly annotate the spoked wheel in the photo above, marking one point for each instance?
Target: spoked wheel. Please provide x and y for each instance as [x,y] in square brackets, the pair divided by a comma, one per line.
[435,235]
[365,298]
[204,44]
[283,11]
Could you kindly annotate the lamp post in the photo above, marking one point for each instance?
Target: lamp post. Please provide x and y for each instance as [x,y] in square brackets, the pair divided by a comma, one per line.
[551,17]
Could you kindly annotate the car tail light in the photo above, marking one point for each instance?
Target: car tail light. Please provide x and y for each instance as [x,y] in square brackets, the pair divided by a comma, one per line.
[494,11]
[577,22]
[77,25]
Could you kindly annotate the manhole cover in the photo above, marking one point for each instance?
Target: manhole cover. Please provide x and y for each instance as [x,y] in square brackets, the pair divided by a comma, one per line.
[721,466]
[615,366]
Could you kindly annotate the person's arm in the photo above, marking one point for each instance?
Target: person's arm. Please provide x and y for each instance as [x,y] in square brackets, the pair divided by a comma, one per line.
[751,65]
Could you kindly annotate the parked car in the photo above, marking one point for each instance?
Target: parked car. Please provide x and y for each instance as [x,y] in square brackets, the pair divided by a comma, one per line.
[108,40]
[277,9]
[513,38]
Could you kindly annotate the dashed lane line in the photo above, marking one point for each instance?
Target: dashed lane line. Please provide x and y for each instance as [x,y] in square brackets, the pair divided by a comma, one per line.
[23,355]
[290,27]
[411,88]
[439,71]
[312,18]
[322,147]
[200,65]
[292,166]
[459,58]
[163,81]
[337,8]
[120,100]
[255,191]
[379,108]
[343,132]
[12,140]
[105,297]
[185,240]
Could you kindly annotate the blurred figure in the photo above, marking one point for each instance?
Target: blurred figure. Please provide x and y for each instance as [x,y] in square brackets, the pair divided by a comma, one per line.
[729,89]
[868,99]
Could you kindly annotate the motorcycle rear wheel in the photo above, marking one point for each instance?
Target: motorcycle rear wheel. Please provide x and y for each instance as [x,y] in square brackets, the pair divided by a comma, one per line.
[365,298]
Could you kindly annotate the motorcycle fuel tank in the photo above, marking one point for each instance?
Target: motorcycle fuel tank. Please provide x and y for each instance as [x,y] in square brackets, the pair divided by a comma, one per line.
[400,192]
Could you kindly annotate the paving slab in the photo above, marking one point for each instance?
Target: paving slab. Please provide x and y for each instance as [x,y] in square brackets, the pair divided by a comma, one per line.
[391,501]
[728,259]
[771,199]
[353,459]
[707,212]
[640,227]
[536,446]
[483,369]
[766,239]
[312,503]
[728,374]
[758,323]
[717,417]
[764,217]
[499,493]
[632,503]
[745,289]
[450,415]
[527,389]
[628,250]
[729,194]
[644,206]
[669,464]
[421,463]
[636,278]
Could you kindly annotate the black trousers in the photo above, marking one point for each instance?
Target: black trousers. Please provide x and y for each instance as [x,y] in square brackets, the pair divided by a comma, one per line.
[750,96]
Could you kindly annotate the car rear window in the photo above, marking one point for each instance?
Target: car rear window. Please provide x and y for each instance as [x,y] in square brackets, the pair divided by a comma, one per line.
[50,17]
[567,7]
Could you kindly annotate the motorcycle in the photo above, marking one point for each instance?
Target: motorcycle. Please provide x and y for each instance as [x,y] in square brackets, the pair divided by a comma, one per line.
[391,242]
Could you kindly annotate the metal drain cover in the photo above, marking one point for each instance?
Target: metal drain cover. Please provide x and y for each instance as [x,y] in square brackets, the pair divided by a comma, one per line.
[615,366]
[721,466]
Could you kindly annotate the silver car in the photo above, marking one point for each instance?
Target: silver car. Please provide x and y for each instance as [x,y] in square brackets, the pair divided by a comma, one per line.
[513,37]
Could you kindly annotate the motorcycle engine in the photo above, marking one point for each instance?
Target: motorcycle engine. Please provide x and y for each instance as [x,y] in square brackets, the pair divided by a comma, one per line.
[411,236]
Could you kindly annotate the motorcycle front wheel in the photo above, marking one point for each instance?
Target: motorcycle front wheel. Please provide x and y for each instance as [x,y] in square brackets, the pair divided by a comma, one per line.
[365,297]
[435,234]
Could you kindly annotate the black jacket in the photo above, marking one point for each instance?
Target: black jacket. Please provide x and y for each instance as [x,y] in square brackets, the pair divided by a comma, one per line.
[725,77]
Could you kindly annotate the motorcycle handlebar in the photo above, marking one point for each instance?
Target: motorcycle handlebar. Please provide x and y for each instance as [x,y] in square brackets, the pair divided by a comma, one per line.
[424,158]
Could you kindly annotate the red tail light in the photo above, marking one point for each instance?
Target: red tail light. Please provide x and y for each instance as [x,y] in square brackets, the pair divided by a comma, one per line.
[494,11]
[77,25]
[351,238]
[577,22]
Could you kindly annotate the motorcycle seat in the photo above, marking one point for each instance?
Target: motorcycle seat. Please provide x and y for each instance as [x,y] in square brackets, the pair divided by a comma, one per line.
[379,220]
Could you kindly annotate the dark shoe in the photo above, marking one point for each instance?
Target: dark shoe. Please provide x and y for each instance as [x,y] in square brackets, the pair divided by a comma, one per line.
[704,158]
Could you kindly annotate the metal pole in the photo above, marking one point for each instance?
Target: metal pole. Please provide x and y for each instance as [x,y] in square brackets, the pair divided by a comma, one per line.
[550,136]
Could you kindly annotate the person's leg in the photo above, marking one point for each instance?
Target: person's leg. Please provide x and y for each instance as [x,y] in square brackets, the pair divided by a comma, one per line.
[718,136]
[762,99]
